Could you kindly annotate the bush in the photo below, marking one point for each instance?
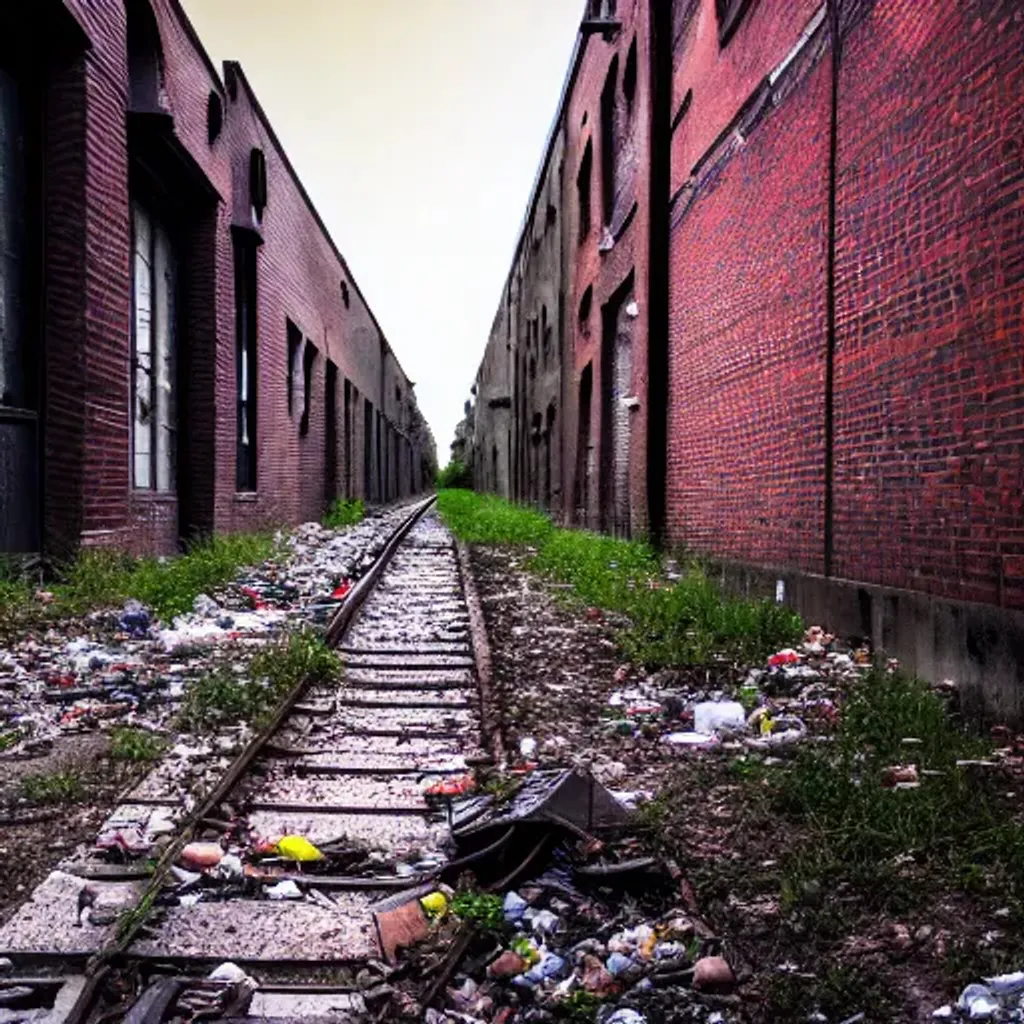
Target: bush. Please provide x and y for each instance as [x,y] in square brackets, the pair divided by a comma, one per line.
[455,474]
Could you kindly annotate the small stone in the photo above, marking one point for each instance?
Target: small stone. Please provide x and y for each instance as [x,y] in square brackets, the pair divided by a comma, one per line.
[507,965]
[596,979]
[713,974]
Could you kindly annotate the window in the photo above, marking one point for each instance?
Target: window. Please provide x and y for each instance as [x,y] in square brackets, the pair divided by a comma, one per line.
[344,294]
[245,361]
[294,344]
[585,303]
[154,418]
[608,141]
[545,336]
[583,188]
[629,75]
[258,183]
[214,117]
[730,14]
[308,361]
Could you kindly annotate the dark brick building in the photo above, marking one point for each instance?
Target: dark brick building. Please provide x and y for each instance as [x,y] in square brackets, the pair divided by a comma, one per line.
[184,348]
[792,331]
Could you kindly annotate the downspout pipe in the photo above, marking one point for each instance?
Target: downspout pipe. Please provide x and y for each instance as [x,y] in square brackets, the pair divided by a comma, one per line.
[660,70]
[830,287]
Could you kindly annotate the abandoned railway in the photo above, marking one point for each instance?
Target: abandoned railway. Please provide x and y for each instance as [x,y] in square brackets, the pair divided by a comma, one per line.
[341,763]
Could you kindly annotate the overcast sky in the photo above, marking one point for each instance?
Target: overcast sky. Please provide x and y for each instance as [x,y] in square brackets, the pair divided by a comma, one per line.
[417,127]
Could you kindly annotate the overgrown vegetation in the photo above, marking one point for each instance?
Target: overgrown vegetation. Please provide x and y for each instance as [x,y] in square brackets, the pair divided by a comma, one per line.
[455,475]
[63,787]
[127,744]
[223,696]
[687,622]
[168,586]
[844,856]
[344,512]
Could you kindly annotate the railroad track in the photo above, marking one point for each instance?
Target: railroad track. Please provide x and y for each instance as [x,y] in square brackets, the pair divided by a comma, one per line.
[343,766]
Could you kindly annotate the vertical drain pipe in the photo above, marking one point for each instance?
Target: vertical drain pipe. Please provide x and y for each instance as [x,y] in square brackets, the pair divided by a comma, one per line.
[830,286]
[658,273]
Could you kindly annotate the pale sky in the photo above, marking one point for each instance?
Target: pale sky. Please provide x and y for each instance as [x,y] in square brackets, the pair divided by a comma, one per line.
[417,127]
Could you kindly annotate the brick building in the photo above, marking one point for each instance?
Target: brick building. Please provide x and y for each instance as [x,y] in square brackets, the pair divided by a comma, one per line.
[792,330]
[184,348]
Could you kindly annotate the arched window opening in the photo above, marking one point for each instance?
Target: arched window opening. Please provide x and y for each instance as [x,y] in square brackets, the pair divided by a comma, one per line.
[608,141]
[258,183]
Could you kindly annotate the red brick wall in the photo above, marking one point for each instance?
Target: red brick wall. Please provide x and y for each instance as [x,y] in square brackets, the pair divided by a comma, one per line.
[88,495]
[929,472]
[747,344]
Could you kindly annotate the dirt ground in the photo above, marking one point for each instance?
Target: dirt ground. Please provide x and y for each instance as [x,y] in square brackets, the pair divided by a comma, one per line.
[36,834]
[826,956]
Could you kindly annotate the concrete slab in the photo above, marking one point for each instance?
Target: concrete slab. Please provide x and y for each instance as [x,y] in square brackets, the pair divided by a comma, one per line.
[263,930]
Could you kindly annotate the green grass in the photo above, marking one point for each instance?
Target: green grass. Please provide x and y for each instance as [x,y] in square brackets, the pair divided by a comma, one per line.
[485,519]
[689,622]
[64,787]
[958,828]
[137,745]
[102,578]
[224,697]
[344,513]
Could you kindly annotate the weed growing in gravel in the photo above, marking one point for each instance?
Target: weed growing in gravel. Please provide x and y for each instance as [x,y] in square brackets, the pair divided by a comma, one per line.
[223,696]
[63,787]
[483,909]
[344,513]
[135,745]
[689,622]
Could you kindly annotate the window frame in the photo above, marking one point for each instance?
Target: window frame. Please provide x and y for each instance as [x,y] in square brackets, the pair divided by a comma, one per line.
[161,477]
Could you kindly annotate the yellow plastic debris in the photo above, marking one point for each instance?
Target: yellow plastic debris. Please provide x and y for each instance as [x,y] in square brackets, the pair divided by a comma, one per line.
[436,904]
[298,849]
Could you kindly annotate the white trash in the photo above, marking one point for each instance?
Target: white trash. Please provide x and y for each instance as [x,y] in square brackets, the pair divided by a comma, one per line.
[719,716]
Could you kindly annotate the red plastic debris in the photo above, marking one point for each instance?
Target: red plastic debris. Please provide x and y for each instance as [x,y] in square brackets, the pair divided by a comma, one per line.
[341,590]
[451,787]
[255,600]
[786,657]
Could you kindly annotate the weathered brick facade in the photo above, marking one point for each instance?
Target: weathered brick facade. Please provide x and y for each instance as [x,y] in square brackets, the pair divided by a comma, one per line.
[134,112]
[826,259]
